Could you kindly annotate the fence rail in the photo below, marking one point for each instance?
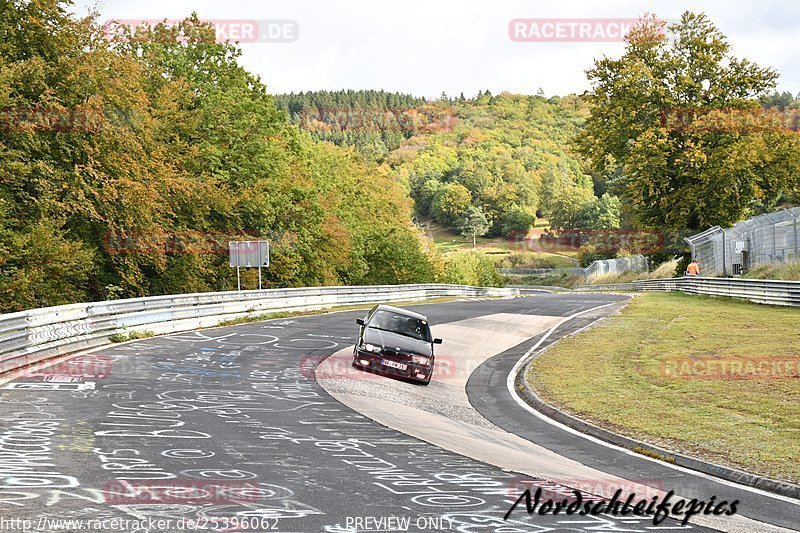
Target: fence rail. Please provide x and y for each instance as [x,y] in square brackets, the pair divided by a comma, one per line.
[767,291]
[31,336]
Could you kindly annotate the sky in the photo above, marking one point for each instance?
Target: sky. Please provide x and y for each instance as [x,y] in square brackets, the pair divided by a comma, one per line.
[426,47]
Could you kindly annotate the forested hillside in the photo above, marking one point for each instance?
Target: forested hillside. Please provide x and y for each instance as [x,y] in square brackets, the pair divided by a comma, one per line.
[375,122]
[488,161]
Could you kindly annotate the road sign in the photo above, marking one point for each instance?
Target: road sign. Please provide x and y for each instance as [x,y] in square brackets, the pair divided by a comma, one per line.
[248,254]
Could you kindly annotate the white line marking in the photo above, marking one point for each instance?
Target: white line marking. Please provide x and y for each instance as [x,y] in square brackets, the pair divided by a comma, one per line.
[523,360]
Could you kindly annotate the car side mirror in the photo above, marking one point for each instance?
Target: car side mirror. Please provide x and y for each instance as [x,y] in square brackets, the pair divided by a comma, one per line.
[360,321]
[437,341]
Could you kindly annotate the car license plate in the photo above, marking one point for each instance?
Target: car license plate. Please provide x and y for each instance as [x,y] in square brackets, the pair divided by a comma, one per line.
[399,366]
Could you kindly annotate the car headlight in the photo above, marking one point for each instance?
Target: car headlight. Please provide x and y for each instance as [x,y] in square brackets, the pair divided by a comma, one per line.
[420,360]
[371,348]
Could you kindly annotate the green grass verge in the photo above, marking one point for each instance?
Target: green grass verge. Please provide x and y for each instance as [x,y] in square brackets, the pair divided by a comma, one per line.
[614,375]
[132,336]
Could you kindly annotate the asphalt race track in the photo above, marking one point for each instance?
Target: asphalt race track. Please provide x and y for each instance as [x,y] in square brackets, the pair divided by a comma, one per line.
[239,409]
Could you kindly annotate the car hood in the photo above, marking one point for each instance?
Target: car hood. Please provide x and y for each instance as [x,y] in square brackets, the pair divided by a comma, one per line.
[397,342]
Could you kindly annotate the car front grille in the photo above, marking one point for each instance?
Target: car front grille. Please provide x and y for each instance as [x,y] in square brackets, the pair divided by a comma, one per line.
[393,354]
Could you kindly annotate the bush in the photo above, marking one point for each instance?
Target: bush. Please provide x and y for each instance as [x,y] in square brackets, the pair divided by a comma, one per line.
[534,260]
[132,336]
[590,253]
[517,218]
[471,268]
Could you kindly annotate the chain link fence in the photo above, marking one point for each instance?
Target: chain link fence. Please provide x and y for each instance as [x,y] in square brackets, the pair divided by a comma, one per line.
[634,263]
[767,238]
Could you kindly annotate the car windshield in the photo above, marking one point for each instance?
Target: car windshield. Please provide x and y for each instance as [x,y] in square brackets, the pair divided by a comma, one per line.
[401,324]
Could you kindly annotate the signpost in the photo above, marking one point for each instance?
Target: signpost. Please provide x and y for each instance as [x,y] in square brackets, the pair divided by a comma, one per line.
[248,254]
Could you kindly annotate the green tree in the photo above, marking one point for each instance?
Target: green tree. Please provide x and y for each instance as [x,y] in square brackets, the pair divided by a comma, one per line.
[426,194]
[40,267]
[568,211]
[450,202]
[601,213]
[678,121]
[517,219]
[170,149]
[473,223]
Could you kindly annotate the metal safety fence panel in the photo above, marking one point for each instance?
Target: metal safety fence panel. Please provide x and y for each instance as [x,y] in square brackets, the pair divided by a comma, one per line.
[765,239]
[600,267]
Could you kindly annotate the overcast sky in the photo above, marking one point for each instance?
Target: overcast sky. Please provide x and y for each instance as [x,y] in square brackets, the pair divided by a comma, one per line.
[425,47]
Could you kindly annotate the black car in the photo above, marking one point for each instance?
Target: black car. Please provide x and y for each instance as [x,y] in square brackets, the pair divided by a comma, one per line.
[397,342]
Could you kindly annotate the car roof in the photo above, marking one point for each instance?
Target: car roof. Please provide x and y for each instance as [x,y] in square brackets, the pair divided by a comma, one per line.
[401,311]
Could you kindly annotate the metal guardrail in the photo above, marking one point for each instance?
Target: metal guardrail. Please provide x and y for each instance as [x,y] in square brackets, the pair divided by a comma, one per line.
[31,336]
[766,291]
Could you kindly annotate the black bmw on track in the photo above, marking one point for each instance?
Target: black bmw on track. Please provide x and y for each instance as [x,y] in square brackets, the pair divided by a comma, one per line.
[397,342]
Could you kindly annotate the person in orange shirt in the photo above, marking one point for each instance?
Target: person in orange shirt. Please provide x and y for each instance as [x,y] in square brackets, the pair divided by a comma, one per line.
[693,269]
